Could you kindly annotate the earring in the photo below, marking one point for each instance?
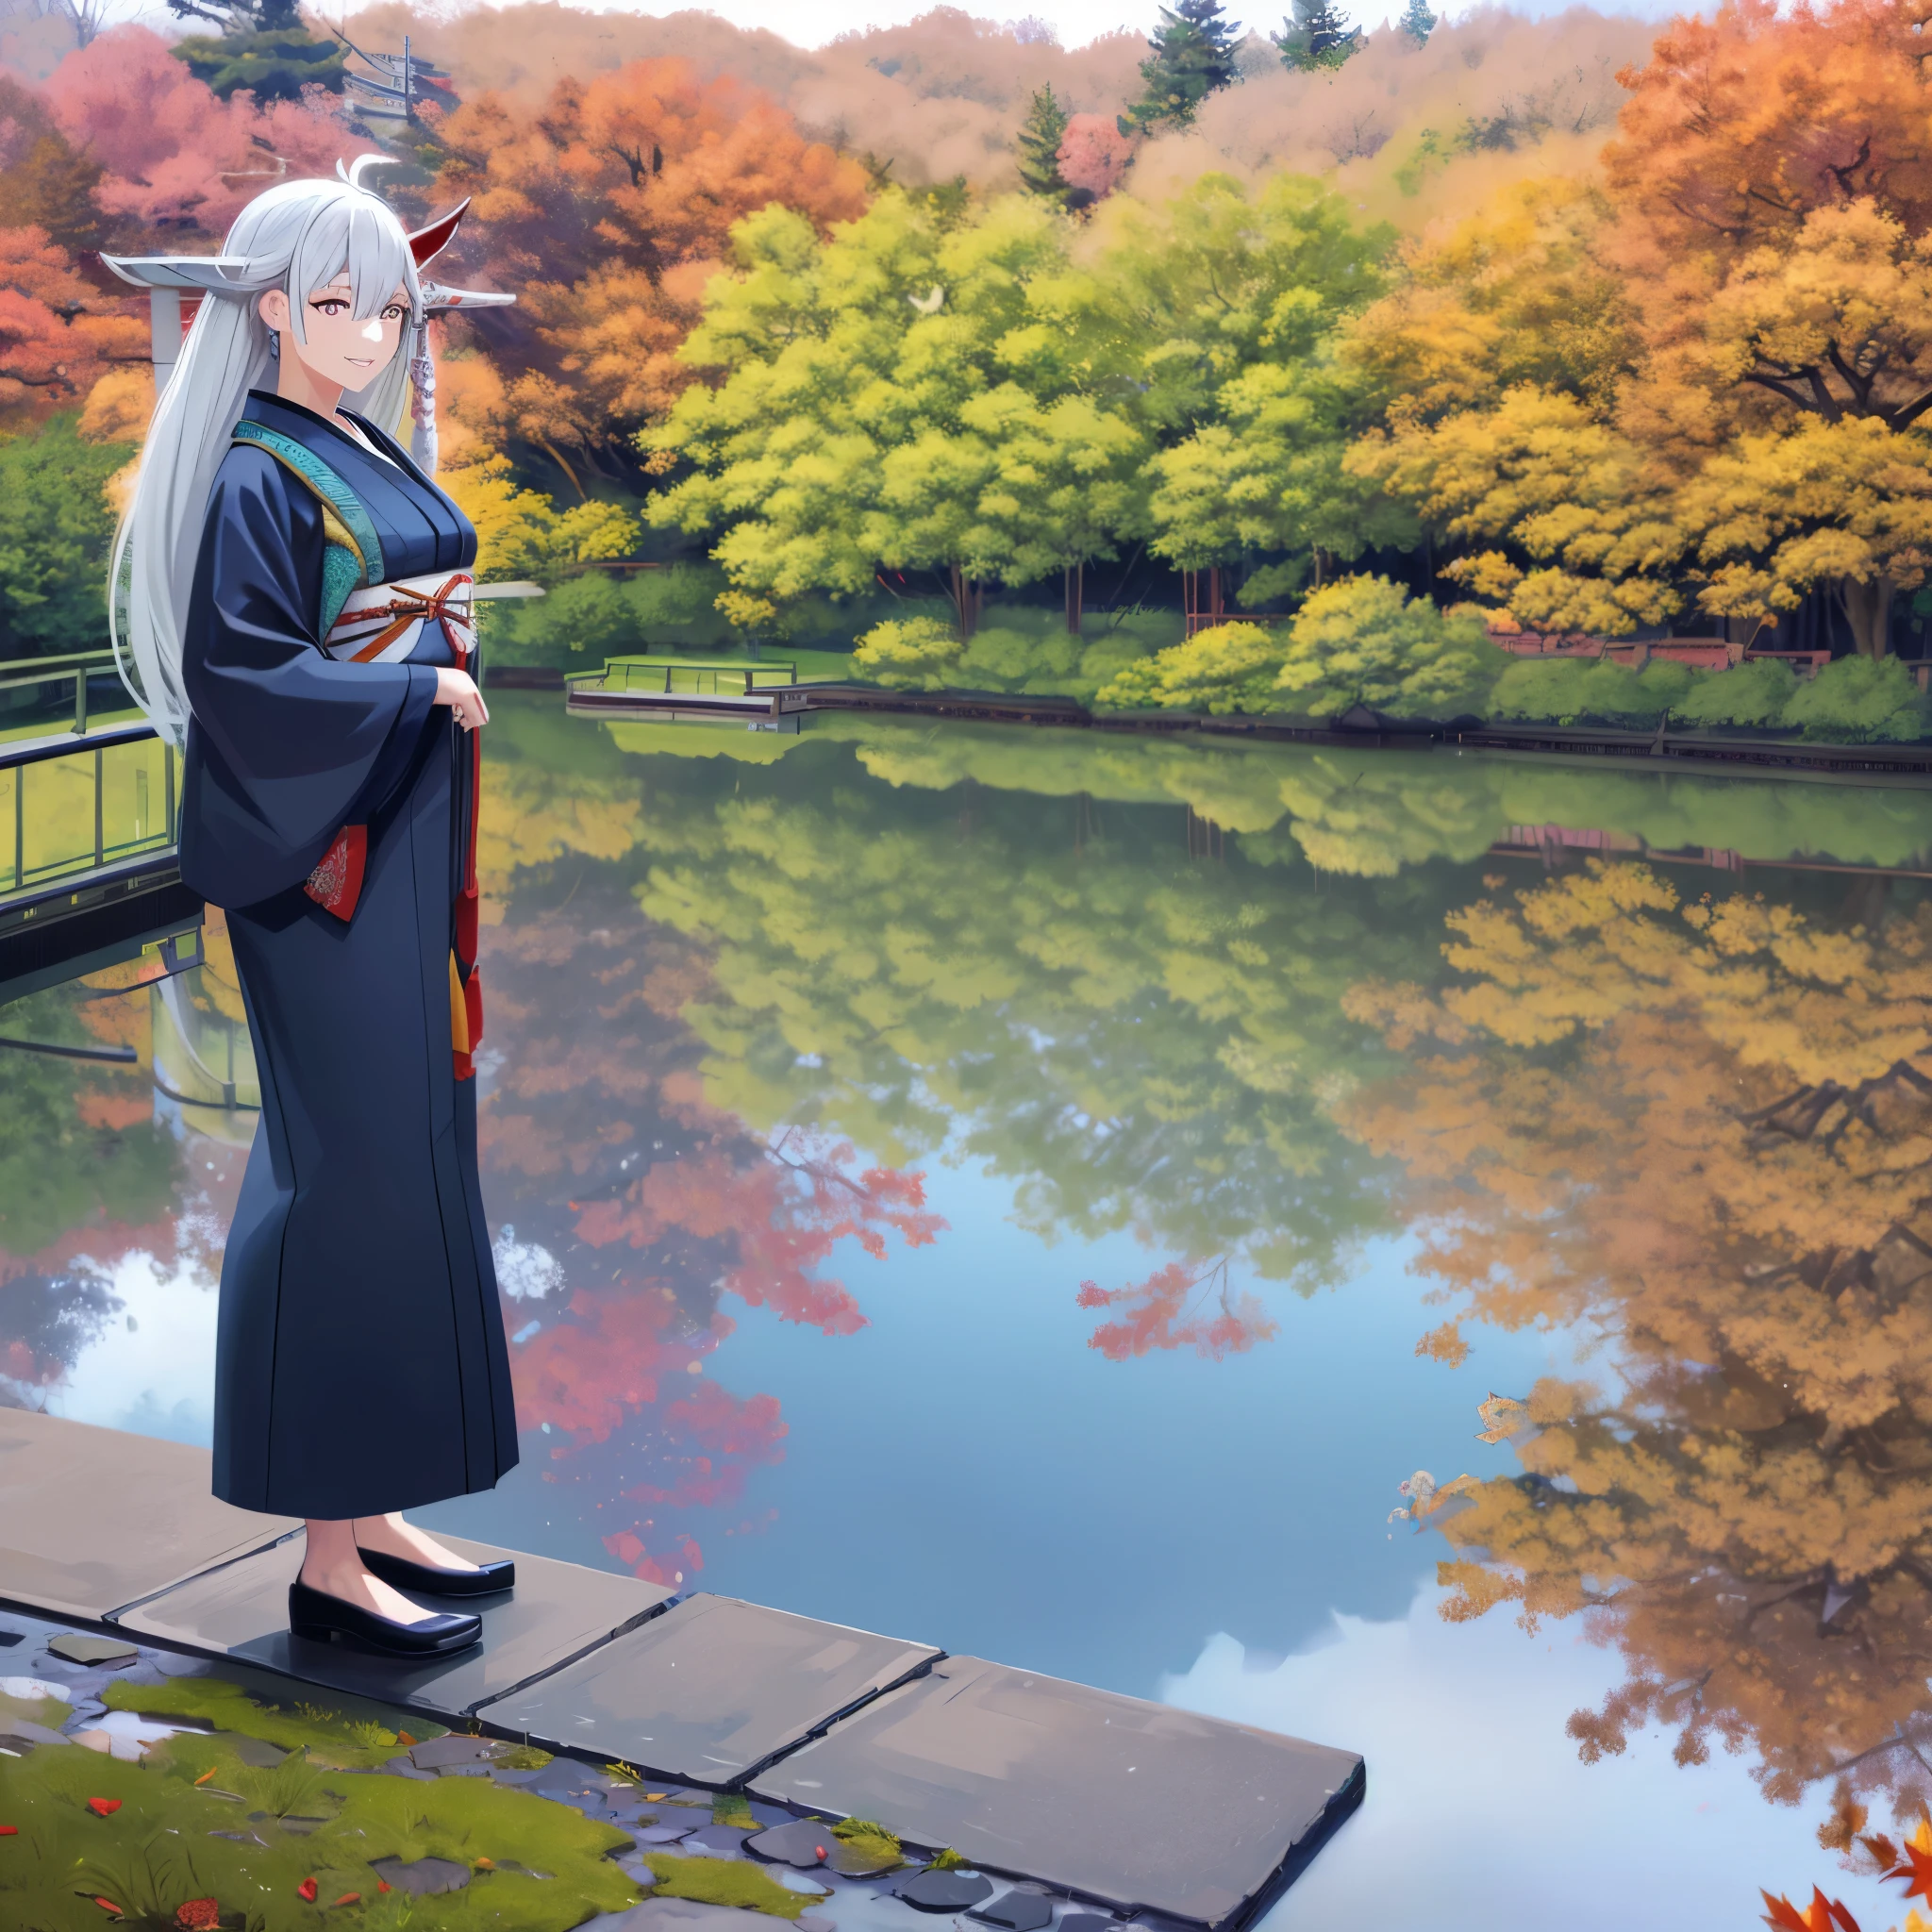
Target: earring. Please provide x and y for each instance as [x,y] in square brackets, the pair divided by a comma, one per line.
[275,347]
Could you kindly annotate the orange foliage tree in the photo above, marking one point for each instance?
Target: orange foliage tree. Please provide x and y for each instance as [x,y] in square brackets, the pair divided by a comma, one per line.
[607,209]
[1702,1130]
[59,334]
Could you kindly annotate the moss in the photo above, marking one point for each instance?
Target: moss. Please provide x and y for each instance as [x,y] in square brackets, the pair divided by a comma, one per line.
[162,1843]
[723,1882]
[731,1808]
[948,1860]
[348,1737]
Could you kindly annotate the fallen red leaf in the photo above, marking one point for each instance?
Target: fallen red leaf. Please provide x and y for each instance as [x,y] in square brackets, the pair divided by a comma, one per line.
[108,1905]
[205,1775]
[1915,1869]
[382,1885]
[104,1808]
[403,1738]
[486,1865]
[1823,1914]
[9,1831]
[350,1898]
[306,1888]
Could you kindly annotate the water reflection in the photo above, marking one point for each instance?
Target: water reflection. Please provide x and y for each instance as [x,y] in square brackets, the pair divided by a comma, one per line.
[940,1184]
[1703,1130]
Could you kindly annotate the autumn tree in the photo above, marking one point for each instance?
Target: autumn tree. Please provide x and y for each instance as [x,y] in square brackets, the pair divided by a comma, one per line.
[1703,1130]
[170,156]
[607,210]
[58,333]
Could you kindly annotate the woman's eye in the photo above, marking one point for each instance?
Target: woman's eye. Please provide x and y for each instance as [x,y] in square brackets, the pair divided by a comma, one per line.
[330,307]
[393,312]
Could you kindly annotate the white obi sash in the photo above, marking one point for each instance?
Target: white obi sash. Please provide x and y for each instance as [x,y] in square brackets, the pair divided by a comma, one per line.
[381,625]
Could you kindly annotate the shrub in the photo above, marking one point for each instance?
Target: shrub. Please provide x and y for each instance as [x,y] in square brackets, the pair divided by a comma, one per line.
[1860,701]
[910,654]
[1366,641]
[1231,667]
[1756,694]
[1564,689]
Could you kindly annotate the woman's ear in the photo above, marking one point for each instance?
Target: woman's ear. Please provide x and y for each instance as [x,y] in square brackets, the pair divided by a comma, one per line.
[273,309]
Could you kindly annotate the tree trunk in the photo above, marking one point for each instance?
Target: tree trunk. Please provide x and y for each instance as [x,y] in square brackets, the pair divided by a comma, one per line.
[1076,573]
[1214,606]
[966,604]
[1868,610]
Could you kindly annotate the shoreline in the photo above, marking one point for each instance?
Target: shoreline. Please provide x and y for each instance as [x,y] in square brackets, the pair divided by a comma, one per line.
[1886,763]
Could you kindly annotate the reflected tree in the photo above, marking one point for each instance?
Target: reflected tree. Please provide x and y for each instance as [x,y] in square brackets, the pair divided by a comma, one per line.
[1702,1129]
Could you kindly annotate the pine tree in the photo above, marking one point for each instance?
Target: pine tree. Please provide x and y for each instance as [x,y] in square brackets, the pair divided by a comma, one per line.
[1039,144]
[1318,34]
[1418,23]
[1193,56]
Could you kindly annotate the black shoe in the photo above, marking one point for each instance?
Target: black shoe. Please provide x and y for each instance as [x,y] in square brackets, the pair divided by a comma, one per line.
[484,1581]
[316,1614]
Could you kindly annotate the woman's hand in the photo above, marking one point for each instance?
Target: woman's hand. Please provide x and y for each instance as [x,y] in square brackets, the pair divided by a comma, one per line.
[458,690]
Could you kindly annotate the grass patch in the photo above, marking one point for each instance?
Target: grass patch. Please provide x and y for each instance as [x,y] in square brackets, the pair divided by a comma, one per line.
[330,1734]
[732,1808]
[723,1882]
[251,1839]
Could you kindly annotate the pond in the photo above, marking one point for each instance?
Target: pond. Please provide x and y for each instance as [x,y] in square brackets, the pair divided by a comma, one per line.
[1053,1194]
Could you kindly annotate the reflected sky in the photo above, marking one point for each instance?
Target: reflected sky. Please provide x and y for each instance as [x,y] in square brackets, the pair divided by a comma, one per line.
[991,1186]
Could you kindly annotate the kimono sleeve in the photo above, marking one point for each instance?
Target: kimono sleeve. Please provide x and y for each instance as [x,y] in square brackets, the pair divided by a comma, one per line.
[287,746]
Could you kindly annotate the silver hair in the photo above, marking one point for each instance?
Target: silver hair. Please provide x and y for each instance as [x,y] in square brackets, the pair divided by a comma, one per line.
[298,237]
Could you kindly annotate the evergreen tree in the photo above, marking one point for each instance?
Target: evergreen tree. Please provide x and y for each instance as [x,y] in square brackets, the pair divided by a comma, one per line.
[1418,23]
[262,46]
[1039,144]
[1317,35]
[1193,56]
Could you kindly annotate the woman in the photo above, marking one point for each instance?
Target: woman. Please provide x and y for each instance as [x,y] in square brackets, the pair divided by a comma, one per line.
[298,605]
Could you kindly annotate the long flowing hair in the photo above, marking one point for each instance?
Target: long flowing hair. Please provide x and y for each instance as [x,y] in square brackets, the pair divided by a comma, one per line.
[297,237]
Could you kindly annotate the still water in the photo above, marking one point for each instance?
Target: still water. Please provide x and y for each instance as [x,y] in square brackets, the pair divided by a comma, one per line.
[1067,1198]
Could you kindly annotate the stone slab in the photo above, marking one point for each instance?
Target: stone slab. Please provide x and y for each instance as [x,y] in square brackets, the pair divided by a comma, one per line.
[1136,1805]
[710,1690]
[557,1612]
[93,1520]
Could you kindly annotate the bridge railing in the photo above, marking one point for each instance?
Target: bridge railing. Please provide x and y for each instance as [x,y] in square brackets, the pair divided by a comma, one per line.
[72,809]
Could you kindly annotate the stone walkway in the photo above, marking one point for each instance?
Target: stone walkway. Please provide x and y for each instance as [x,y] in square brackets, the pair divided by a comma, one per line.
[1074,1808]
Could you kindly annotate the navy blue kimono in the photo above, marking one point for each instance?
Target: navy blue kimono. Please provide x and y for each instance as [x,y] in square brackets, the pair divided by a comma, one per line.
[360,1364]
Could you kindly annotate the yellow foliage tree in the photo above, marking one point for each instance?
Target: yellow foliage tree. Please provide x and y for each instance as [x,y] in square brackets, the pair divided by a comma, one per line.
[1560,509]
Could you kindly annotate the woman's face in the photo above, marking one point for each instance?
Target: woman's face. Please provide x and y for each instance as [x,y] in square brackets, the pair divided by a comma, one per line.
[340,349]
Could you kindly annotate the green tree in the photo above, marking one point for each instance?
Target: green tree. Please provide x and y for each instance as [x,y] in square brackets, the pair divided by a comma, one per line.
[1417,22]
[1269,476]
[1178,297]
[55,530]
[1194,55]
[1317,35]
[270,66]
[1039,146]
[890,396]
[1366,641]
[261,46]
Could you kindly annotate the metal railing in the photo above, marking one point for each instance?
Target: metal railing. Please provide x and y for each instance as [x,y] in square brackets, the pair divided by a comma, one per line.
[692,676]
[70,810]
[19,672]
